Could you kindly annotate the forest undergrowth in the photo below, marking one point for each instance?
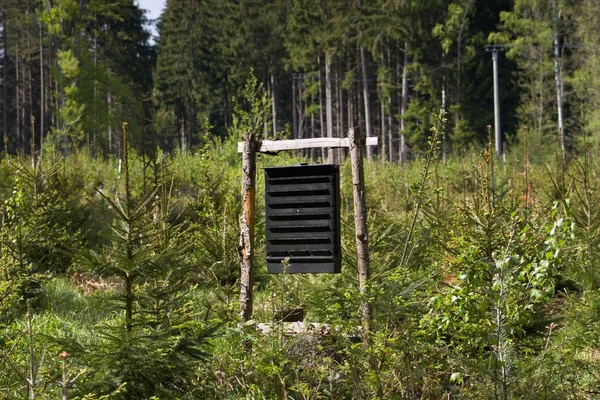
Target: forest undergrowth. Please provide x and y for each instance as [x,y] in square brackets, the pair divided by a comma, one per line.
[118,280]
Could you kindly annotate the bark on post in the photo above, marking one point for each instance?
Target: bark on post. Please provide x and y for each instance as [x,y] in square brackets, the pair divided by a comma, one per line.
[247,224]
[357,142]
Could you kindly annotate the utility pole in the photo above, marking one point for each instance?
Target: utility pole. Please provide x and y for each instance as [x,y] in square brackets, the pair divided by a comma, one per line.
[494,49]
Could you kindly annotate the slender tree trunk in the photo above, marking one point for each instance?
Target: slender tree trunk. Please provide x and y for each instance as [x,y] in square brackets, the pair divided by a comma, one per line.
[390,118]
[382,133]
[226,110]
[273,106]
[109,120]
[182,145]
[360,109]
[350,100]
[23,106]
[541,96]
[322,120]
[294,114]
[94,131]
[48,98]
[357,142]
[247,224]
[444,146]
[403,104]
[32,149]
[312,130]
[42,113]
[557,79]
[265,122]
[30,81]
[5,80]
[339,111]
[459,41]
[365,84]
[328,105]
[192,127]
[18,95]
[301,114]
[350,108]
[384,149]
[458,75]
[129,278]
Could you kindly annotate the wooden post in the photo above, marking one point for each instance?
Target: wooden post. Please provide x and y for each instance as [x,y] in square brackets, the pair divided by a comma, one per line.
[357,142]
[247,224]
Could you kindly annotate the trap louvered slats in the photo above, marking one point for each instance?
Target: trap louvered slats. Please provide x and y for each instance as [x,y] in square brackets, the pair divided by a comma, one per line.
[303,224]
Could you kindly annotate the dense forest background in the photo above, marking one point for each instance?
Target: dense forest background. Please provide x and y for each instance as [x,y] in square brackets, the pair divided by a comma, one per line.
[120,199]
[80,67]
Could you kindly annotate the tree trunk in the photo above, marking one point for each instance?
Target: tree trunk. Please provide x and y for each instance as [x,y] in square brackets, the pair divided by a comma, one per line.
[557,79]
[192,127]
[328,106]
[384,149]
[357,142]
[363,66]
[94,133]
[23,103]
[312,130]
[322,120]
[247,225]
[382,132]
[339,109]
[182,146]
[390,113]
[17,95]
[444,145]
[294,115]
[403,104]
[30,84]
[360,109]
[301,114]
[350,99]
[109,121]
[5,81]
[41,91]
[129,278]
[274,109]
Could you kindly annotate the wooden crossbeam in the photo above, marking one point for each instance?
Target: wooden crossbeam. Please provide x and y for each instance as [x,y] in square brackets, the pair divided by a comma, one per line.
[269,146]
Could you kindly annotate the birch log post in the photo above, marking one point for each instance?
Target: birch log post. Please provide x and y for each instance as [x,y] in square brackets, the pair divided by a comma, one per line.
[357,143]
[247,224]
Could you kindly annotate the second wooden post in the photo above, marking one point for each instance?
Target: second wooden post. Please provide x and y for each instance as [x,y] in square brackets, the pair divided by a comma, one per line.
[357,143]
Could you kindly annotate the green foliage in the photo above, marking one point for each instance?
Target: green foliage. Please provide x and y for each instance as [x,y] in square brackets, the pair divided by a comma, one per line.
[136,279]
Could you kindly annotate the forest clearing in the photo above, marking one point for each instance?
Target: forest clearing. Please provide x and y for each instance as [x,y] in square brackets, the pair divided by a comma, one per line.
[412,183]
